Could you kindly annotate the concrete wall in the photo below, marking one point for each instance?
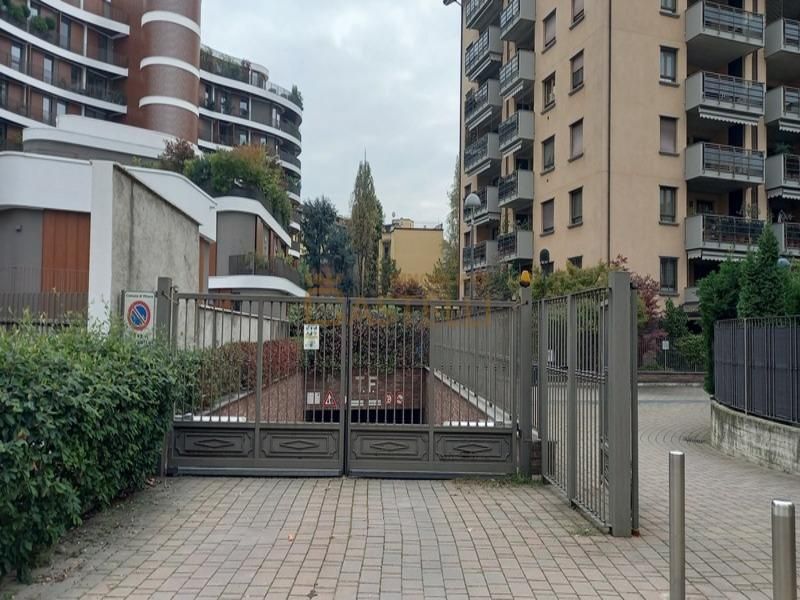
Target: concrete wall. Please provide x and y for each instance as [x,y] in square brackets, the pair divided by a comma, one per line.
[20,250]
[203,327]
[758,440]
[236,234]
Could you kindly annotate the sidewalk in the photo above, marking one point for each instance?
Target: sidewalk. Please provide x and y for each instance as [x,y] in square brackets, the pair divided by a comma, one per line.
[345,538]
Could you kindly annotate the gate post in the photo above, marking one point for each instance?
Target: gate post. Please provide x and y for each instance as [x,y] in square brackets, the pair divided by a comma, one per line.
[620,406]
[544,428]
[164,308]
[524,381]
[572,399]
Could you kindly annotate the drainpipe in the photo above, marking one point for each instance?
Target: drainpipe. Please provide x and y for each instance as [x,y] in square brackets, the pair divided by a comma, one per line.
[608,157]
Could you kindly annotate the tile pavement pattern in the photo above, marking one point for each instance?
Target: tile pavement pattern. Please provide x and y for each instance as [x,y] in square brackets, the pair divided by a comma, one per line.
[345,538]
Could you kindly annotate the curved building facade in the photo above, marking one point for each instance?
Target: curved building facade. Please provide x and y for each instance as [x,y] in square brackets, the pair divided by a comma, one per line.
[140,63]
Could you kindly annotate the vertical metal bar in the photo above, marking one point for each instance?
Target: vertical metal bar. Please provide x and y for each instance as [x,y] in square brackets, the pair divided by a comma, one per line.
[784,553]
[634,413]
[259,375]
[544,426]
[677,527]
[345,372]
[523,403]
[572,399]
[619,405]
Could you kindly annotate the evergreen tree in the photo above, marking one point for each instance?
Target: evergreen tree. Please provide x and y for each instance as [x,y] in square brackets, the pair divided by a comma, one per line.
[389,274]
[318,224]
[719,295]
[763,286]
[676,321]
[443,281]
[366,222]
[341,259]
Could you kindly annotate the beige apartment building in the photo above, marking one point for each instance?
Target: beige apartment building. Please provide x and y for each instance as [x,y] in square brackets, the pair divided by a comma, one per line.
[414,249]
[663,131]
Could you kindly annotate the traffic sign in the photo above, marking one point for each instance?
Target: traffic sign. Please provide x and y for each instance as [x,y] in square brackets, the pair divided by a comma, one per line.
[330,401]
[140,314]
[399,399]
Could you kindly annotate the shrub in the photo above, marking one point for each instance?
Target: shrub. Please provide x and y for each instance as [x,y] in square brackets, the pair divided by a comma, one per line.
[83,421]
[719,295]
[176,154]
[692,349]
[39,24]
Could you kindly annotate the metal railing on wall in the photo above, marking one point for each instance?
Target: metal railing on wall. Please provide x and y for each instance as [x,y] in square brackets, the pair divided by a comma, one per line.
[757,367]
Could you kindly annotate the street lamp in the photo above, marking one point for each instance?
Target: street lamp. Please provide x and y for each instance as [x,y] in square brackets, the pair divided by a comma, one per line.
[784,263]
[473,202]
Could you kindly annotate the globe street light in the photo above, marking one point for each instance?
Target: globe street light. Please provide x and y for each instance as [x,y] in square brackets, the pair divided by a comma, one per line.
[472,202]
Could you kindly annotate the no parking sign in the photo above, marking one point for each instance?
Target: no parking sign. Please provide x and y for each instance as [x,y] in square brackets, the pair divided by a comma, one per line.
[140,313]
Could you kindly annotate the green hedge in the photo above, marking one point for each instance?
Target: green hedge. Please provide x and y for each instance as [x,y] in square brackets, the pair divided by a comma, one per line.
[82,421]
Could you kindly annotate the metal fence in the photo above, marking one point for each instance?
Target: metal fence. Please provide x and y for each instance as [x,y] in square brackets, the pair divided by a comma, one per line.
[757,367]
[666,356]
[42,310]
[585,400]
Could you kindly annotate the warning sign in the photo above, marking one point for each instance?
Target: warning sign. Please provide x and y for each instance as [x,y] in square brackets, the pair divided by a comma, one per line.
[140,313]
[330,401]
[389,399]
[310,337]
[399,399]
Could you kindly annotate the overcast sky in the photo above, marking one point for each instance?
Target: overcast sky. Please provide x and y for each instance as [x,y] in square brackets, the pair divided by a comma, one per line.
[376,75]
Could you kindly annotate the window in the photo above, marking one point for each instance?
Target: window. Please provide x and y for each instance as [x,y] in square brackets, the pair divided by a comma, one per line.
[244,108]
[550,30]
[47,110]
[670,6]
[224,103]
[243,138]
[576,261]
[76,77]
[549,91]
[16,57]
[549,154]
[576,140]
[669,64]
[208,97]
[576,207]
[548,216]
[667,202]
[577,71]
[34,11]
[3,92]
[577,11]
[61,108]
[64,33]
[669,135]
[669,275]
[48,69]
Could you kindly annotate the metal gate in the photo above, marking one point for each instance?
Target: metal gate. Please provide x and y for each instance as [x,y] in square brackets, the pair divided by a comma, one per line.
[321,386]
[585,407]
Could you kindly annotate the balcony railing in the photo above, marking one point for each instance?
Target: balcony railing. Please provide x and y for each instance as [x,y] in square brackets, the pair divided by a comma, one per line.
[486,148]
[251,264]
[481,50]
[488,197]
[290,158]
[729,161]
[791,35]
[783,106]
[516,71]
[18,107]
[783,175]
[509,130]
[788,235]
[480,255]
[478,11]
[293,187]
[103,9]
[509,74]
[517,187]
[741,94]
[38,73]
[478,100]
[718,232]
[722,18]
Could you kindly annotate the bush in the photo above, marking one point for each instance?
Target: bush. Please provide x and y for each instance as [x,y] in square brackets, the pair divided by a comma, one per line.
[692,349]
[83,421]
[719,296]
[40,24]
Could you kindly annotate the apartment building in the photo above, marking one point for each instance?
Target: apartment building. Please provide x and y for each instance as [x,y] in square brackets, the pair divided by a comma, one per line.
[663,131]
[414,249]
[140,63]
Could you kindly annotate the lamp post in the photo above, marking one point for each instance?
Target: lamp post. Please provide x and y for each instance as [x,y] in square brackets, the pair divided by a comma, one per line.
[472,202]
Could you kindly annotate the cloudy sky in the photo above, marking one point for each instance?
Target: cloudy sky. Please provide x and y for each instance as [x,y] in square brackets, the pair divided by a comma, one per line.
[376,75]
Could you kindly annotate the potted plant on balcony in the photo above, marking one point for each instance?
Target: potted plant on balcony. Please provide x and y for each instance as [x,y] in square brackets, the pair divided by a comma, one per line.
[42,26]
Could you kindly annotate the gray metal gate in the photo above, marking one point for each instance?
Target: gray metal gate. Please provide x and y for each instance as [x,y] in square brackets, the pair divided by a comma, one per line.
[401,388]
[585,407]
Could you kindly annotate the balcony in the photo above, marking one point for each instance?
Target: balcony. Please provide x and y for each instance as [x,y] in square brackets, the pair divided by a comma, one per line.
[516,132]
[717,168]
[488,211]
[480,13]
[257,265]
[717,34]
[782,49]
[715,97]
[716,237]
[788,235]
[783,109]
[516,190]
[103,93]
[515,246]
[783,176]
[482,155]
[691,295]
[483,57]
[485,255]
[517,75]
[483,104]
[289,158]
[517,22]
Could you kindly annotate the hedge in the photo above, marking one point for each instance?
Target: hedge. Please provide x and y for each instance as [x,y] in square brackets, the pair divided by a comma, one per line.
[82,421]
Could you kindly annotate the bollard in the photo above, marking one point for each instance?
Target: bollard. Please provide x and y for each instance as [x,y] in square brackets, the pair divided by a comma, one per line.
[784,555]
[677,526]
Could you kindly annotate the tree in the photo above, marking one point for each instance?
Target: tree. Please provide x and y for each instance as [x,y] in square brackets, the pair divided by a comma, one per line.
[443,281]
[176,154]
[500,283]
[318,222]
[676,321]
[793,291]
[341,259]
[719,295]
[389,273]
[406,286]
[366,222]
[763,288]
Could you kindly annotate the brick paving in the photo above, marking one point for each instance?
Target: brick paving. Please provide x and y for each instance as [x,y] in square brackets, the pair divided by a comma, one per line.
[345,538]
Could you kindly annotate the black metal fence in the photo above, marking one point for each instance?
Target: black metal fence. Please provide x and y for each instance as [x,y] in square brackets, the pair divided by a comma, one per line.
[757,367]
[668,356]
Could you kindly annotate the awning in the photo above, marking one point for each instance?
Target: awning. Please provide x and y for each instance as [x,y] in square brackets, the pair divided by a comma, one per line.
[782,192]
[789,126]
[727,116]
[714,255]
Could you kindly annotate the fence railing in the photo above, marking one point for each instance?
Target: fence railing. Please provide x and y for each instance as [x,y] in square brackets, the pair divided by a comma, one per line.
[667,356]
[757,367]
[249,264]
[42,309]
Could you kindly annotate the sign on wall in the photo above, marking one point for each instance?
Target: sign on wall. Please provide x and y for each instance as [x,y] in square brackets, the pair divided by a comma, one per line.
[140,313]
